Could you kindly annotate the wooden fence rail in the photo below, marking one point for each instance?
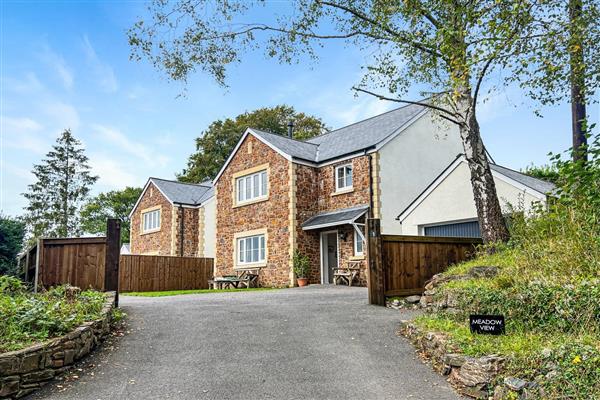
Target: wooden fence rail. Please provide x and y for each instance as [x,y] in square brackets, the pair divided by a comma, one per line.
[401,265]
[140,273]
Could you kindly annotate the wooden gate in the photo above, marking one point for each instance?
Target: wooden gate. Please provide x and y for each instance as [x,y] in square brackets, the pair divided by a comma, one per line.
[401,265]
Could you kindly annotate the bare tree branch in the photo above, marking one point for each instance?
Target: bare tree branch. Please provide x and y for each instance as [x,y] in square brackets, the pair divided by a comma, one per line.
[447,115]
[399,35]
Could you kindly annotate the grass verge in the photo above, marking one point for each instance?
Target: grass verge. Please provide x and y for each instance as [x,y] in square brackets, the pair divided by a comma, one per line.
[195,291]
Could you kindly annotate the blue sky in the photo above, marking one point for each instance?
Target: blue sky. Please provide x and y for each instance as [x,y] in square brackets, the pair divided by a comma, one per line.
[66,65]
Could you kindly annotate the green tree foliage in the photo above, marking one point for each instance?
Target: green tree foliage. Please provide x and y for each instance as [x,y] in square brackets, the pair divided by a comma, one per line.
[63,183]
[113,204]
[12,232]
[216,143]
[545,172]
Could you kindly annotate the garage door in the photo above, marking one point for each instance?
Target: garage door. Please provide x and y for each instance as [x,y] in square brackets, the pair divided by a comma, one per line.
[461,229]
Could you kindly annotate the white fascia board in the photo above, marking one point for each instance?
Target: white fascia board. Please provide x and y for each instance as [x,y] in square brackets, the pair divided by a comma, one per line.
[431,188]
[248,131]
[142,195]
[398,131]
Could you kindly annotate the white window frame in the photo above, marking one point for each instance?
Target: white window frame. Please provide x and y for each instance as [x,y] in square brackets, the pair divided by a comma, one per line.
[258,181]
[154,220]
[242,251]
[357,238]
[342,168]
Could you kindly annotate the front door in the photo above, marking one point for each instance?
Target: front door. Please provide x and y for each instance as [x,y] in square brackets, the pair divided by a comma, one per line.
[329,255]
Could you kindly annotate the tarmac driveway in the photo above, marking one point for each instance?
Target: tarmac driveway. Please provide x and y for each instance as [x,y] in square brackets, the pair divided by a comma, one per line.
[317,342]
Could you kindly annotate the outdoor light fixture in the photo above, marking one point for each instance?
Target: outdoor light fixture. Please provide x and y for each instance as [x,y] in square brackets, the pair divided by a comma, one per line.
[343,236]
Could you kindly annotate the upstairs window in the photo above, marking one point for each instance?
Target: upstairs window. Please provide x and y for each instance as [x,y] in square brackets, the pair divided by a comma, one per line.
[343,177]
[151,221]
[251,187]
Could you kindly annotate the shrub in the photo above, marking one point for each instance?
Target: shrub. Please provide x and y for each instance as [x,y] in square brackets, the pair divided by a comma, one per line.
[28,317]
[301,264]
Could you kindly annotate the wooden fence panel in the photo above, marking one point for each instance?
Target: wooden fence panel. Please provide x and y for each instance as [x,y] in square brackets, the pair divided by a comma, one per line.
[77,261]
[408,262]
[139,273]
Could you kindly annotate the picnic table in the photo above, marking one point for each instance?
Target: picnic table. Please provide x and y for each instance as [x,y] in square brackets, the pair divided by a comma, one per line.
[348,274]
[243,278]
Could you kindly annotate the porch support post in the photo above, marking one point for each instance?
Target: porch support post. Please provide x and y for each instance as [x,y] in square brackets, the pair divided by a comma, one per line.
[376,278]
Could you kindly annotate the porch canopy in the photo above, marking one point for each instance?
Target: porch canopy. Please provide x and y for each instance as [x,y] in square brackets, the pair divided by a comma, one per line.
[343,216]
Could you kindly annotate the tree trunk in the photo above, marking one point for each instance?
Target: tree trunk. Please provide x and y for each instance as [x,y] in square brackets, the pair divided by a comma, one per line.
[578,112]
[491,221]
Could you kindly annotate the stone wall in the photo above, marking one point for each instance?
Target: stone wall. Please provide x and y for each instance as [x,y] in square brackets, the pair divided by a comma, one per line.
[472,376]
[271,214]
[158,242]
[190,231]
[23,371]
[315,189]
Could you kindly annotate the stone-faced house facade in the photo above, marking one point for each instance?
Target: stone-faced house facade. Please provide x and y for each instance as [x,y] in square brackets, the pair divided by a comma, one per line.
[175,219]
[276,194]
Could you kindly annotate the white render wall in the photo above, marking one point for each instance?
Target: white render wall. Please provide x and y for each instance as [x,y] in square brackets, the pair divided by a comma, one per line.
[210,227]
[410,162]
[452,201]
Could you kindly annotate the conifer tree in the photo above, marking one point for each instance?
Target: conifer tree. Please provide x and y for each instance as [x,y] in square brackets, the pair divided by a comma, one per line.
[63,182]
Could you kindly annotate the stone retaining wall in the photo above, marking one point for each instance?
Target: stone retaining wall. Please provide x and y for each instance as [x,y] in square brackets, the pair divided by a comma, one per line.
[472,376]
[23,371]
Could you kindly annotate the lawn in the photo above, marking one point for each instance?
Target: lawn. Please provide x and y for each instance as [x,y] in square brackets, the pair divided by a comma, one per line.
[195,291]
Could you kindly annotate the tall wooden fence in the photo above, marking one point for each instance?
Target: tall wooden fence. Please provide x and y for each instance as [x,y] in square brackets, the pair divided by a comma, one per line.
[86,262]
[156,273]
[94,262]
[401,265]
[78,261]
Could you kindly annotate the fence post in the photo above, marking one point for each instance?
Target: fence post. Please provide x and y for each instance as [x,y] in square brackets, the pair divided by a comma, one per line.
[113,247]
[376,283]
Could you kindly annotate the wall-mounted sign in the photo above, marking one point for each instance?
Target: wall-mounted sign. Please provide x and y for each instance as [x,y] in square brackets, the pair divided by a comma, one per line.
[487,324]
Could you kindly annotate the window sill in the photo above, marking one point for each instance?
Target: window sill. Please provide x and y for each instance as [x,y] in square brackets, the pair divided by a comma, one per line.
[149,232]
[251,266]
[247,203]
[342,191]
[357,258]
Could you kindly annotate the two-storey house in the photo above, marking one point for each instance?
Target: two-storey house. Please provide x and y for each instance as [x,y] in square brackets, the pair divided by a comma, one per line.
[276,194]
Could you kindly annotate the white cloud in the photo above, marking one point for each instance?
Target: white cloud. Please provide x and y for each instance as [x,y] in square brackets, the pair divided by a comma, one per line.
[103,72]
[59,65]
[64,115]
[23,134]
[136,149]
[113,175]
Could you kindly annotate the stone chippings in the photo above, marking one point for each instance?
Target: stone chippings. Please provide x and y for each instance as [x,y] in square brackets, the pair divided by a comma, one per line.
[23,371]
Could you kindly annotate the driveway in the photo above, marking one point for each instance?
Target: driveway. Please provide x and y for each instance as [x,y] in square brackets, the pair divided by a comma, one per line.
[319,342]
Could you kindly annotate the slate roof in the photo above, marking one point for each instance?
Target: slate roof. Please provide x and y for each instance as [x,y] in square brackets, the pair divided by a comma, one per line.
[526,180]
[347,140]
[184,193]
[333,218]
[295,148]
[364,134]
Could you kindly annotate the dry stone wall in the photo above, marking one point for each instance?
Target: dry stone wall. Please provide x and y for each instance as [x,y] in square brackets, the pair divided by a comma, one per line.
[23,371]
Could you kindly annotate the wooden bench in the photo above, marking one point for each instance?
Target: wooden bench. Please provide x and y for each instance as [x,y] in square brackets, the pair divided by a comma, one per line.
[348,274]
[244,278]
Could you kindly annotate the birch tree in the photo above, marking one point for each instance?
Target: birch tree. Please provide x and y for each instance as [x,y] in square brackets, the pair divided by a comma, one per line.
[450,48]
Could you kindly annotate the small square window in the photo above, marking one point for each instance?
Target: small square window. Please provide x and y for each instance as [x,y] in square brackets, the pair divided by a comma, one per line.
[343,177]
